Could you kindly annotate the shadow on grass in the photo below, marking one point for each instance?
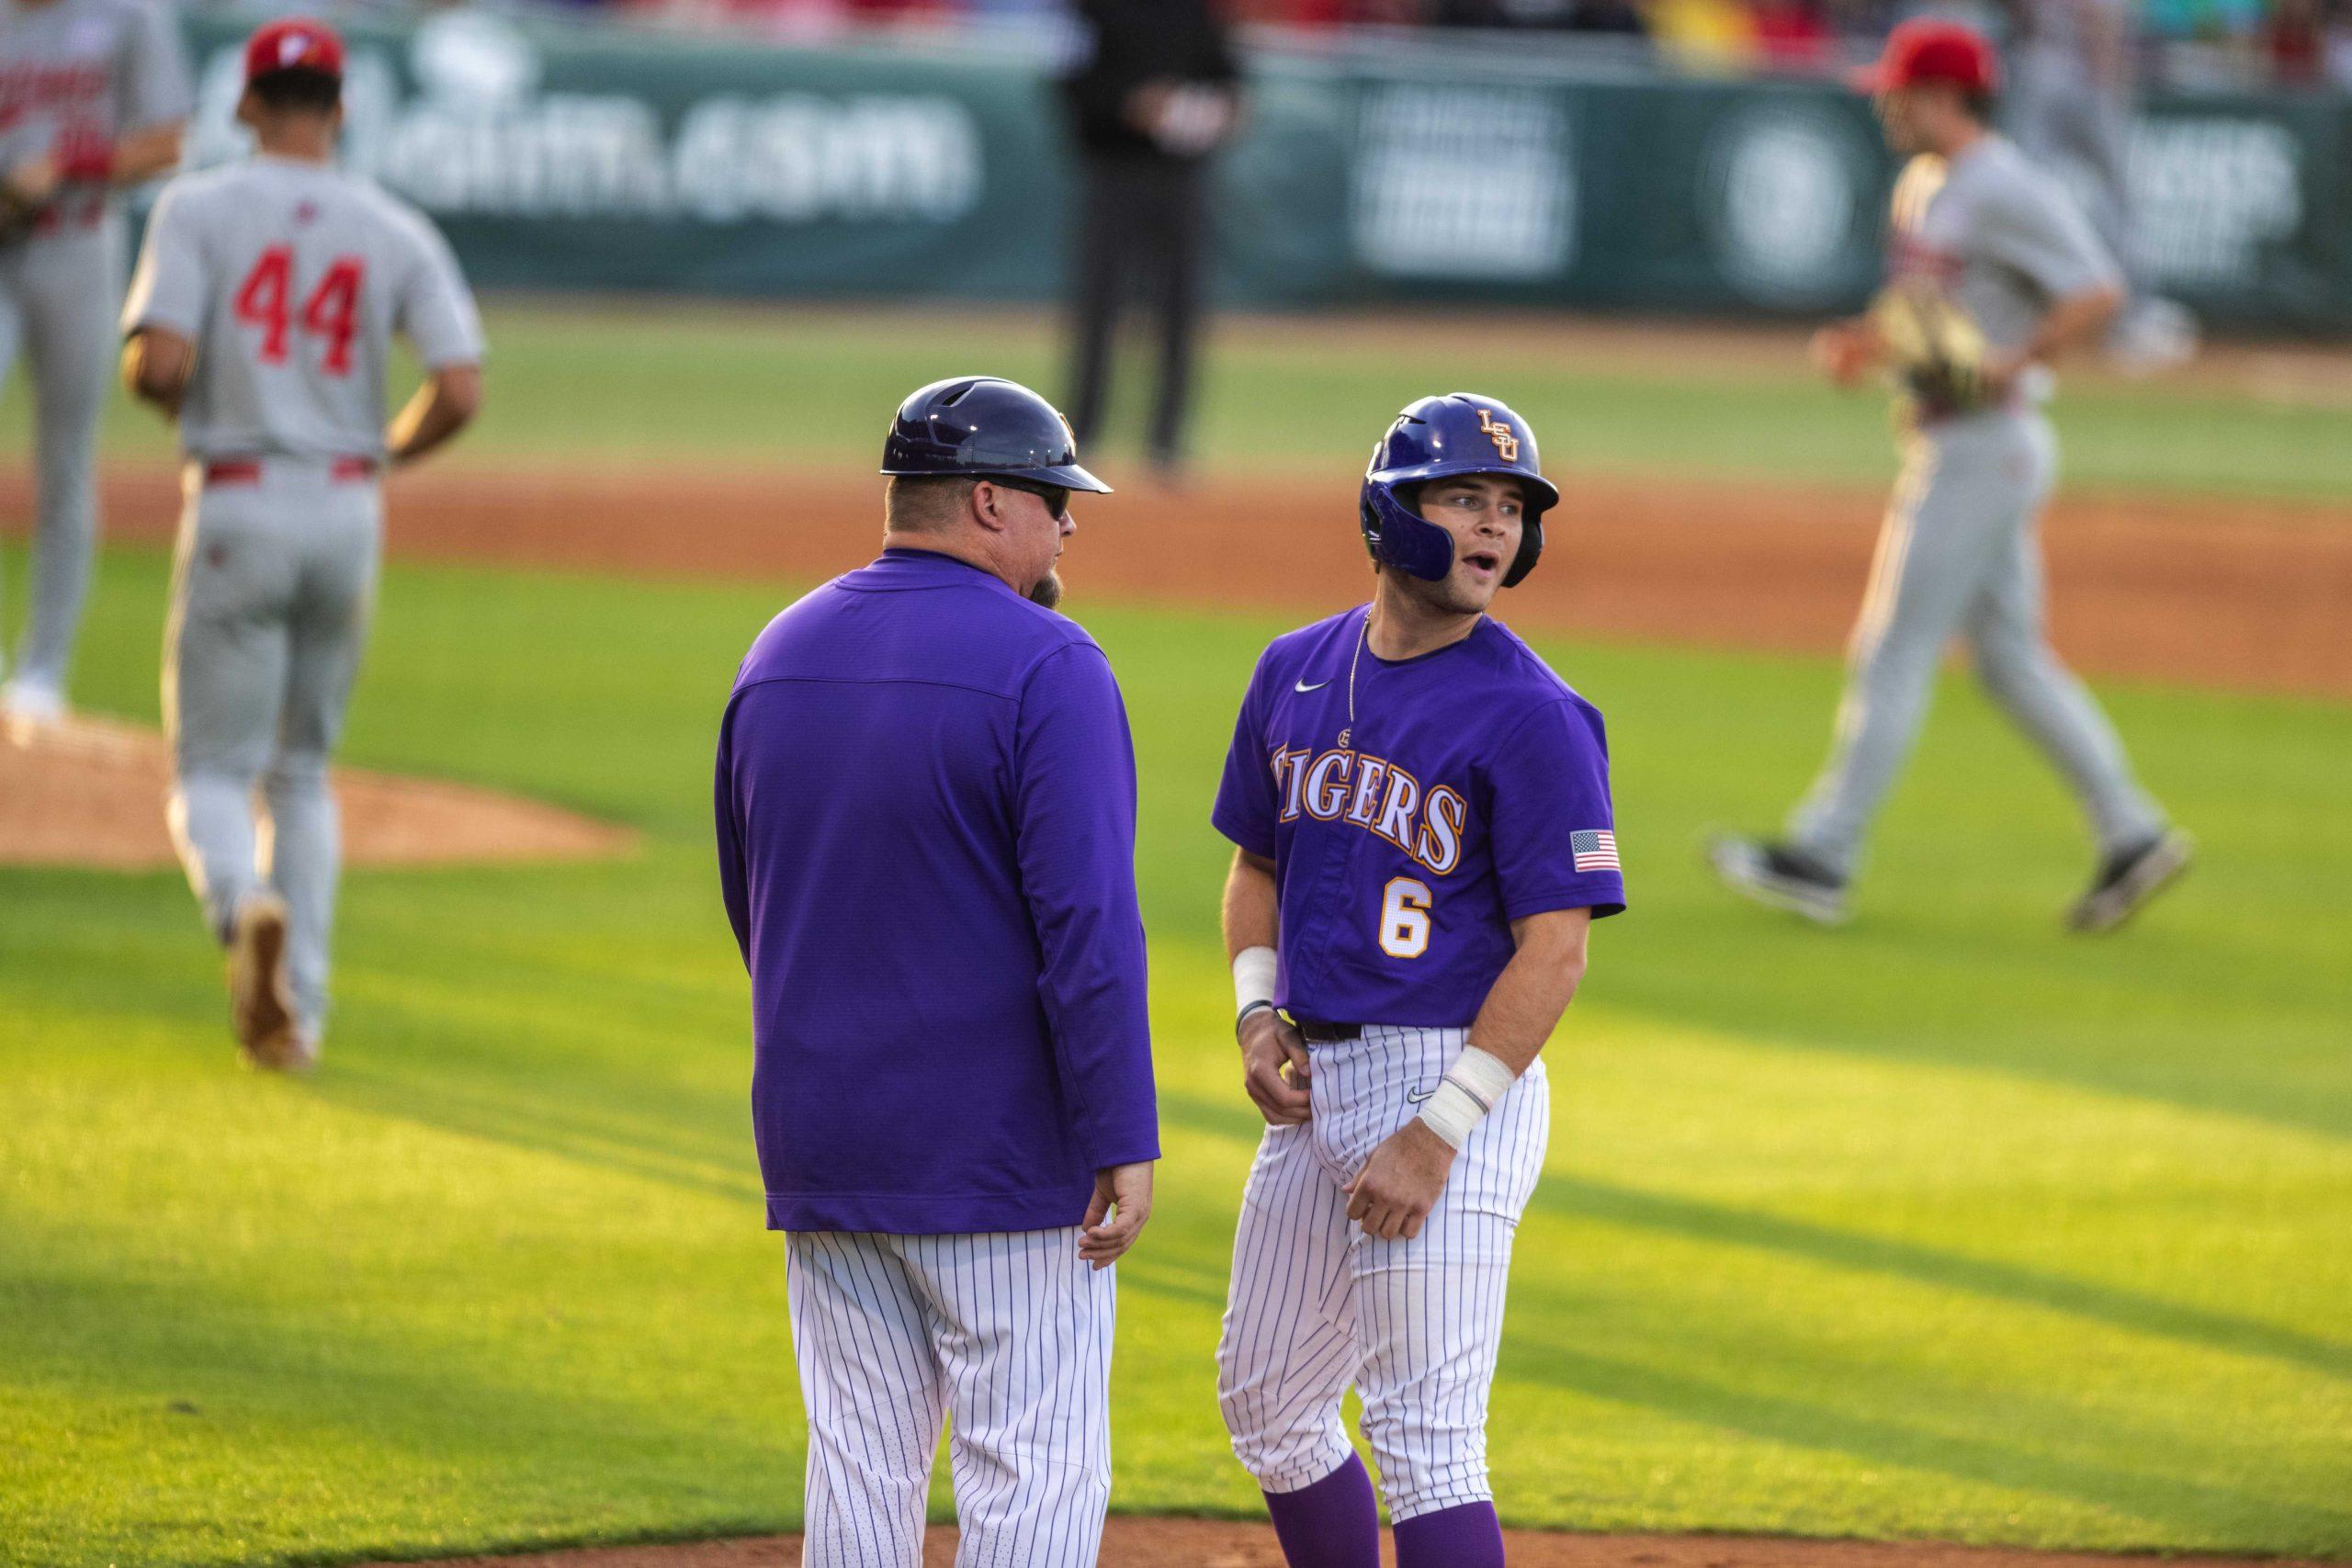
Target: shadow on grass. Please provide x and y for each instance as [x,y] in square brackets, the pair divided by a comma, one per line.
[670,1151]
[703,1162]
[1697,1220]
[675,1153]
[678,1155]
[1724,1224]
[454,1444]
[2221,1514]
[2141,1021]
[2223,1517]
[1151,1270]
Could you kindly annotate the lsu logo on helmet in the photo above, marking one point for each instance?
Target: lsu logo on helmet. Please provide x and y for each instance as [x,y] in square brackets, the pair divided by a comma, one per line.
[1506,443]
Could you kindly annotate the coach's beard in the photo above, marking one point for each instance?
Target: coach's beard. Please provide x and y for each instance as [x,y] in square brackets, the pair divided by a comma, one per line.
[1048,591]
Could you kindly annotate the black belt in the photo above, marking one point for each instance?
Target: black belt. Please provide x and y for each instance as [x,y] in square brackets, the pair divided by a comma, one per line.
[1319,1031]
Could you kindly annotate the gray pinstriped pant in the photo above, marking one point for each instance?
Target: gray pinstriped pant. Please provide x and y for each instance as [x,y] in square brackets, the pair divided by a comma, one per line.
[1316,1306]
[1008,1332]
[1959,556]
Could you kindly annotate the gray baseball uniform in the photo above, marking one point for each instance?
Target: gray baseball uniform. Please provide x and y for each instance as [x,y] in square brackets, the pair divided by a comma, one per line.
[72,73]
[290,279]
[1959,552]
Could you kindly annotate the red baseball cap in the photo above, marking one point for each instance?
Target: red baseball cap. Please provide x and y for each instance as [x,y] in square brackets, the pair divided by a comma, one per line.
[295,44]
[1931,49]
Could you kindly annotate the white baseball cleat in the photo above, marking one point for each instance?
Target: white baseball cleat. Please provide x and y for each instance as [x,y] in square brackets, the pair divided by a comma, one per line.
[260,1002]
[1779,877]
[29,705]
[2128,879]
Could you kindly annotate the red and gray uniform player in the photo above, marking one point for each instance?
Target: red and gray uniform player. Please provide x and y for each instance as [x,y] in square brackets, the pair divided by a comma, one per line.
[261,315]
[92,97]
[1960,553]
[1424,833]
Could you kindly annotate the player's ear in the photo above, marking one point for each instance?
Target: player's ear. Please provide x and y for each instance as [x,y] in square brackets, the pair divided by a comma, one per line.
[248,108]
[985,502]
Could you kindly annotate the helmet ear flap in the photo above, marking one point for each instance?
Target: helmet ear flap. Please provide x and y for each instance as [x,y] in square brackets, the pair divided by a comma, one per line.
[1531,549]
[1397,536]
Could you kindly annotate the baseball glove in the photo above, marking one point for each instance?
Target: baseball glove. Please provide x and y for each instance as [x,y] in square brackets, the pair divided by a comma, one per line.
[17,216]
[1936,350]
[24,192]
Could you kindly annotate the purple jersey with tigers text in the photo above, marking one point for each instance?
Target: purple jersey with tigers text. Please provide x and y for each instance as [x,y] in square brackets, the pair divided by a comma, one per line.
[1470,790]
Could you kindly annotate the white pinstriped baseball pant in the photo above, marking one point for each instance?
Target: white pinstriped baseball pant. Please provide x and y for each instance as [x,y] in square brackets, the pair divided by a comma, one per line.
[1010,1333]
[1315,1305]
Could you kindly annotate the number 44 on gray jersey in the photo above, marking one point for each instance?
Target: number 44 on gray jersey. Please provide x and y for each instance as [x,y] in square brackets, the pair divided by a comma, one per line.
[290,279]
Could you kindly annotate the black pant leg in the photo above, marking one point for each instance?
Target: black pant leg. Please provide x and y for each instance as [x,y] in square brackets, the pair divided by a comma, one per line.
[1105,234]
[1178,218]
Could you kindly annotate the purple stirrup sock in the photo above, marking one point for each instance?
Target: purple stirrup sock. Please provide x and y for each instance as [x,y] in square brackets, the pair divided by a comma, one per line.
[1332,1523]
[1465,1537]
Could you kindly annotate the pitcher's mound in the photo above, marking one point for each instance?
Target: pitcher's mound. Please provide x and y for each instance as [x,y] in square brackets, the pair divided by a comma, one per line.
[90,792]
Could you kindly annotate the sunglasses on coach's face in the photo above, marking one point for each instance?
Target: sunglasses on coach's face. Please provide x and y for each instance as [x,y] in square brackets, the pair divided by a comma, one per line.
[1055,497]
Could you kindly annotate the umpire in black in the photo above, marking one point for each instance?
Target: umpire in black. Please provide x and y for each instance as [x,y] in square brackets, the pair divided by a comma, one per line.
[1152,93]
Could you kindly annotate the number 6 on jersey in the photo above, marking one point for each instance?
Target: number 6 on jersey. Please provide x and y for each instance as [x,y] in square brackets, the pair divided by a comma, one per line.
[1404,918]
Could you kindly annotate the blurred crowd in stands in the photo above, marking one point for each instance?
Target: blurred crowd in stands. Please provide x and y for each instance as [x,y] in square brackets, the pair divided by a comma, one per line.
[2292,44]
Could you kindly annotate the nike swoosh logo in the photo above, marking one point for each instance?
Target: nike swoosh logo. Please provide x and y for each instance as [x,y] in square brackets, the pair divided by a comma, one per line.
[1419,1095]
[1302,686]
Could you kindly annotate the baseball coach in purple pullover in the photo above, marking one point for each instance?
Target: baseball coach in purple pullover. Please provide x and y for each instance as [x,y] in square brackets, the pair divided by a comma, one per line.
[926,803]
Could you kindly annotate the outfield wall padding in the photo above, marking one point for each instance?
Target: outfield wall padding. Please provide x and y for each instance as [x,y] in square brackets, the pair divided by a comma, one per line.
[594,158]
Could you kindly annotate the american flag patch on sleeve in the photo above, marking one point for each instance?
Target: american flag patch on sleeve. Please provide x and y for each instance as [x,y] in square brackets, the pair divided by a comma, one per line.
[1595,849]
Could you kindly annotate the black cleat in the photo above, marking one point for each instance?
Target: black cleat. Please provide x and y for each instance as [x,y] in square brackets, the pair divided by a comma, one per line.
[2129,878]
[1779,877]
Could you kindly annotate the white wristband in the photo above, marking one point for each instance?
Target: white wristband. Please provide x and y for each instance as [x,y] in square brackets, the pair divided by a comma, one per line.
[1469,1090]
[1254,969]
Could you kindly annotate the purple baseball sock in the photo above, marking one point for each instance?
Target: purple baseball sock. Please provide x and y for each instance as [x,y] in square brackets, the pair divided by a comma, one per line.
[1463,1537]
[1332,1523]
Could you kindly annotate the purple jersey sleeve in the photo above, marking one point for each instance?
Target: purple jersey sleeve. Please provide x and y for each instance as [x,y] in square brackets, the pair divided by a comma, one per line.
[734,885]
[1555,831]
[1246,806]
[1074,814]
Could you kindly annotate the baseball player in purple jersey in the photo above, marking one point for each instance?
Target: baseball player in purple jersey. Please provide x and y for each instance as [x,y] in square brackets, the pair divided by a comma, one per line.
[926,805]
[1424,836]
[92,97]
[262,317]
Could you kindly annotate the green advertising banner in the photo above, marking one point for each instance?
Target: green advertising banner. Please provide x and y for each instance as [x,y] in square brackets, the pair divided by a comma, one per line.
[1635,194]
[593,158]
[1757,197]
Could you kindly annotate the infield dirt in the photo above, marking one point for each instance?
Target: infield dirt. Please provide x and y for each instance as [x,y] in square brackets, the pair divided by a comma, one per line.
[1223,1543]
[2238,594]
[90,792]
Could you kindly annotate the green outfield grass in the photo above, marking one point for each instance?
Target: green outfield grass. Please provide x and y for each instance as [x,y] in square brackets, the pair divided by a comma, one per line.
[654,382]
[1943,1225]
